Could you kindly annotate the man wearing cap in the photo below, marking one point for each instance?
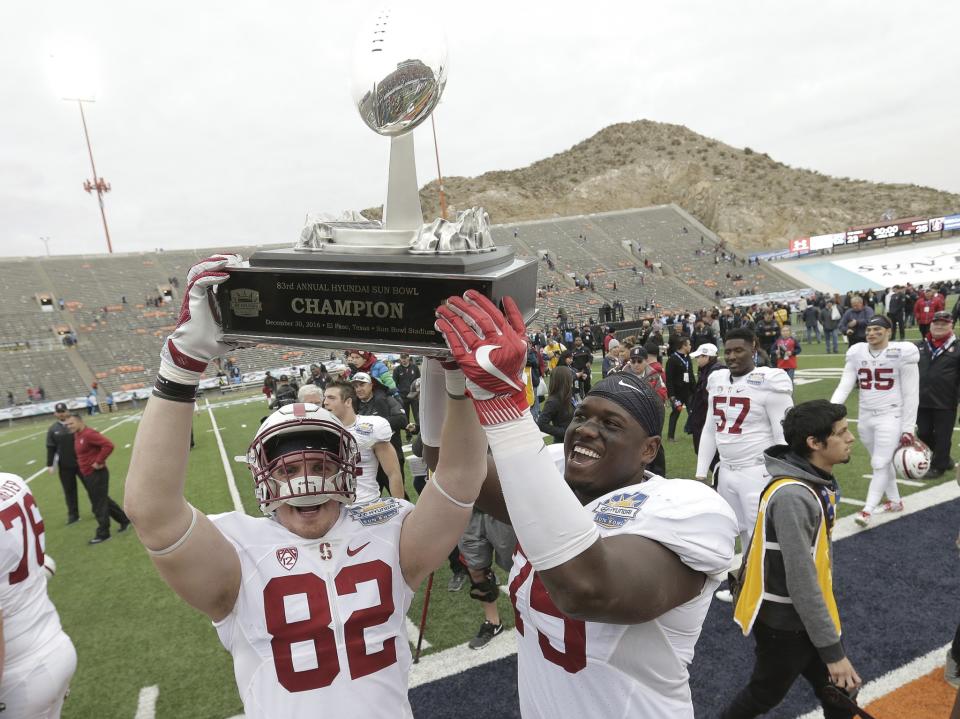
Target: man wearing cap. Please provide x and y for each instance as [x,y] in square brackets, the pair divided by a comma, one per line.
[887,379]
[60,450]
[939,368]
[706,358]
[404,375]
[925,308]
[652,372]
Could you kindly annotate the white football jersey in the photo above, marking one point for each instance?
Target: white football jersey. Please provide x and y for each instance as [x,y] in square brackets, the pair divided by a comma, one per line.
[368,430]
[745,414]
[29,618]
[877,376]
[571,668]
[318,628]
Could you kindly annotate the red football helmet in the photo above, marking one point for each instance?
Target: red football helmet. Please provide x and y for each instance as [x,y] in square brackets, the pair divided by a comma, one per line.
[302,455]
[912,460]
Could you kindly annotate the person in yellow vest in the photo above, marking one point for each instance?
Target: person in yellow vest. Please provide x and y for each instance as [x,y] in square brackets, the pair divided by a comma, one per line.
[785,588]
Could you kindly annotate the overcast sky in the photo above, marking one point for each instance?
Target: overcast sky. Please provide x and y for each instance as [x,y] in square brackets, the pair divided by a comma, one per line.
[224,123]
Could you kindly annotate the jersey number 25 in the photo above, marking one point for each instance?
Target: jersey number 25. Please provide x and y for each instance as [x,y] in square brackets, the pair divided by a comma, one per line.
[881,378]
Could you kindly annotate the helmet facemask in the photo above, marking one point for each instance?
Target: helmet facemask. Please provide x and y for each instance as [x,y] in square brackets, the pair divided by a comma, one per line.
[304,461]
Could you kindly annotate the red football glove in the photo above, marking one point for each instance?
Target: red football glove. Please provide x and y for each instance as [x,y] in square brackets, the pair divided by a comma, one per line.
[491,350]
[906,439]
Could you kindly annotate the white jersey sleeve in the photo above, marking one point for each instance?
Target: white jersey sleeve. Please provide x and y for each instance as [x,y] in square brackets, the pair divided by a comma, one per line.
[320,623]
[848,380]
[570,668]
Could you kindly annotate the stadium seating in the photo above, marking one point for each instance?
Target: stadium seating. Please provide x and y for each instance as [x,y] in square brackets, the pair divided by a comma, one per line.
[118,341]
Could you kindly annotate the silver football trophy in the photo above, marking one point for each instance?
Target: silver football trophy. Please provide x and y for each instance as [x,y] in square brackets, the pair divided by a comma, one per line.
[354,283]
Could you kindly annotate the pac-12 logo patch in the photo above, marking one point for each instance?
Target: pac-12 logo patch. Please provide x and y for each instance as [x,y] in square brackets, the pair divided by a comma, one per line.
[287,556]
[614,512]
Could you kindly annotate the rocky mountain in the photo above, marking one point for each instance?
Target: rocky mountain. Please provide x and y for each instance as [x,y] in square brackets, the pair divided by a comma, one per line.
[747,197]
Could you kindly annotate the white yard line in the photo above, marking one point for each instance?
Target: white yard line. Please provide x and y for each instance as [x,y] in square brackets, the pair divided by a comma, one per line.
[36,474]
[29,436]
[848,500]
[413,631]
[147,703]
[891,681]
[231,482]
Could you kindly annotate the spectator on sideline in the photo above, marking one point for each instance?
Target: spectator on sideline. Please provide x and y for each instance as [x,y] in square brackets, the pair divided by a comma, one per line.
[939,392]
[767,331]
[558,409]
[269,386]
[92,450]
[361,361]
[60,451]
[785,590]
[611,360]
[830,318]
[925,308]
[680,383]
[896,303]
[811,320]
[582,361]
[785,350]
[854,321]
[319,376]
[286,393]
[404,375]
[484,540]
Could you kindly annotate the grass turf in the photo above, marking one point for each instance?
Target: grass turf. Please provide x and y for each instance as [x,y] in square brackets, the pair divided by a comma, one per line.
[131,631]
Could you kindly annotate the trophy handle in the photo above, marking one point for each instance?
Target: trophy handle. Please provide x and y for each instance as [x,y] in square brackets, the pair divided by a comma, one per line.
[402,210]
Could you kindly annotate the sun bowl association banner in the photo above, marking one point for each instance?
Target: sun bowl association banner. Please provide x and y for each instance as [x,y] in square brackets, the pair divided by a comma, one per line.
[918,265]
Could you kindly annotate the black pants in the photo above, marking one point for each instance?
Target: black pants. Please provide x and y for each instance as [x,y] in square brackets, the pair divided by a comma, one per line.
[924,328]
[104,508]
[896,321]
[68,479]
[411,408]
[782,656]
[935,429]
[672,426]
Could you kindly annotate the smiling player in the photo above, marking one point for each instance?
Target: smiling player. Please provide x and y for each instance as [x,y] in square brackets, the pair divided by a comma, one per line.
[310,601]
[616,566]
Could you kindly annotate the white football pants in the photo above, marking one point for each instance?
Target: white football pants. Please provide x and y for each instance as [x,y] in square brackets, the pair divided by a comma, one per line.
[741,488]
[36,687]
[880,434]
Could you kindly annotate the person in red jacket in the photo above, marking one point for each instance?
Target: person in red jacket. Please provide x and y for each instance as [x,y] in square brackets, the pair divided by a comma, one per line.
[925,307]
[92,450]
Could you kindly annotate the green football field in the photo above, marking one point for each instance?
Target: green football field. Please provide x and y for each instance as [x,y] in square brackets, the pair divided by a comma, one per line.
[132,632]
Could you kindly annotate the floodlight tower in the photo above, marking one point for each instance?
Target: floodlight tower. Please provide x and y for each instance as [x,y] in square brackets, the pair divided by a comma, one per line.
[97,184]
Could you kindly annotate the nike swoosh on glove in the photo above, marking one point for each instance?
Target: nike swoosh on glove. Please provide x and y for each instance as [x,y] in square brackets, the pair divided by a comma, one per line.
[491,350]
[195,341]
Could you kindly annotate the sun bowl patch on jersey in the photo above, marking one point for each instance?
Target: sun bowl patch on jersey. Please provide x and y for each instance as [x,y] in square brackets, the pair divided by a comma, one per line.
[376,512]
[755,379]
[613,513]
[893,353]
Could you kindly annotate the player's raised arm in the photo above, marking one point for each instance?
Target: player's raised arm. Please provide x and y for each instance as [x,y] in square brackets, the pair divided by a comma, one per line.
[848,381]
[437,521]
[617,579]
[191,555]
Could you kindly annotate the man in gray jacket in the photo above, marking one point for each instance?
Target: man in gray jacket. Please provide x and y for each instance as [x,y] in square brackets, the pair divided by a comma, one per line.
[829,324]
[785,592]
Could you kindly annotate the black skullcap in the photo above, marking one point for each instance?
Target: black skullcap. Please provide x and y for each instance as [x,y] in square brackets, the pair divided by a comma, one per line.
[636,396]
[879,321]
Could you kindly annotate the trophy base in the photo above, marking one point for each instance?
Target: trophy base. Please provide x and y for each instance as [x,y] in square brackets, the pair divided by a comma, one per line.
[375,302]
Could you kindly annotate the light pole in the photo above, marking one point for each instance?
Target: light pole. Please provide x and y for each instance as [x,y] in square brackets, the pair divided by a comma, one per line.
[46,244]
[98,183]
